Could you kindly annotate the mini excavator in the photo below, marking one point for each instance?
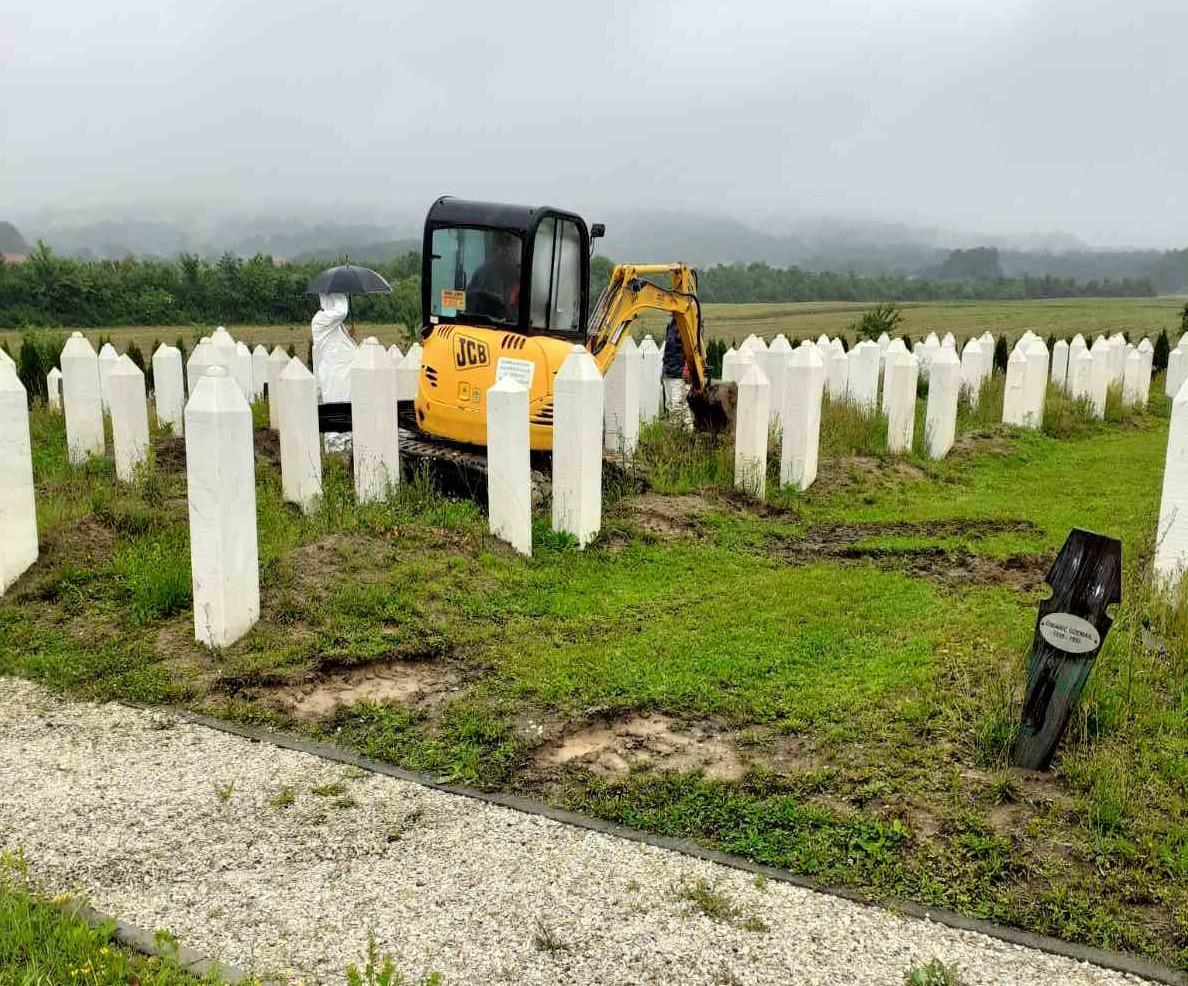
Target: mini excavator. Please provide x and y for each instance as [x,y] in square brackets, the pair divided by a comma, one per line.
[505,291]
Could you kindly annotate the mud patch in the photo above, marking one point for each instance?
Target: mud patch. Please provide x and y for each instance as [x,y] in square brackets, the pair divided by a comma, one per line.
[864,472]
[653,742]
[169,451]
[412,683]
[996,440]
[842,542]
[669,518]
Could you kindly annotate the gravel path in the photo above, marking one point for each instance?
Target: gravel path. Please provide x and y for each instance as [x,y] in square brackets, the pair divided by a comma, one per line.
[176,826]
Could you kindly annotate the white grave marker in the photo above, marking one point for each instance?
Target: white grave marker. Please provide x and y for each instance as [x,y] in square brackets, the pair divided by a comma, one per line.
[750,432]
[376,436]
[221,486]
[577,446]
[129,418]
[18,508]
[622,399]
[80,399]
[169,388]
[1171,539]
[944,388]
[509,472]
[300,442]
[801,417]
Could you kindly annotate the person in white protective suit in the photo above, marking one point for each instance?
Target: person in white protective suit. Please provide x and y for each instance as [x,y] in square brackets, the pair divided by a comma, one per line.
[333,348]
[333,352]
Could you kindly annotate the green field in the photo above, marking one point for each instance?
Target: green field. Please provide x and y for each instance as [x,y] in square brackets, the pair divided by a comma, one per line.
[1062,317]
[826,682]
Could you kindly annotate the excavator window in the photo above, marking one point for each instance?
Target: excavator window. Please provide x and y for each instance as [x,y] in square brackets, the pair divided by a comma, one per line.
[476,272]
[556,277]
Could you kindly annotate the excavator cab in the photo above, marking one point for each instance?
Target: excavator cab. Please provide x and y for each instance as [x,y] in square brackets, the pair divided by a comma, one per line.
[505,266]
[505,292]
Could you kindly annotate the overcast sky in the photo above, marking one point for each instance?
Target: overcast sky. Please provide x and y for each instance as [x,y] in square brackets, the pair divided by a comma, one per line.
[1002,116]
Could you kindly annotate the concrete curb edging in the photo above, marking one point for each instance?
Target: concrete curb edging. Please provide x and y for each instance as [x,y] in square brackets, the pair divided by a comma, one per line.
[146,943]
[1115,961]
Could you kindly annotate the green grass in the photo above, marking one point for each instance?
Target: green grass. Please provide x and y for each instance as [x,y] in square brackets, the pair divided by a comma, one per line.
[859,648]
[42,942]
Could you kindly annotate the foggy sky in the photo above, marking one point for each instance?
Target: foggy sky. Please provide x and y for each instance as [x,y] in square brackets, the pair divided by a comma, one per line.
[1001,116]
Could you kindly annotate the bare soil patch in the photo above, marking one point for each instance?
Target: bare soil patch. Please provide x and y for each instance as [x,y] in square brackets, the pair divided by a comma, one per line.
[412,683]
[842,542]
[669,517]
[864,472]
[652,742]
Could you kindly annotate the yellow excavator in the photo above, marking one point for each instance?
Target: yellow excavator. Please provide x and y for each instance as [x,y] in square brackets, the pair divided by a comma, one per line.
[505,291]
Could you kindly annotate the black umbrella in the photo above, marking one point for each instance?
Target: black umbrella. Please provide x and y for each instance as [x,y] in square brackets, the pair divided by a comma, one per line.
[348,279]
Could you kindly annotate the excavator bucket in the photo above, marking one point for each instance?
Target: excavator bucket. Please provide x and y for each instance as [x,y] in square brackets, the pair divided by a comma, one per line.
[713,408]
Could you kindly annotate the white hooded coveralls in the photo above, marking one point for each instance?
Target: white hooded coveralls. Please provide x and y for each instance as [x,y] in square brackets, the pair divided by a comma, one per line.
[333,349]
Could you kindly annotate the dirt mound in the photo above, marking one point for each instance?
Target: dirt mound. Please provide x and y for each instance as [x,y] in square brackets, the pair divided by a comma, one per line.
[864,472]
[668,517]
[653,742]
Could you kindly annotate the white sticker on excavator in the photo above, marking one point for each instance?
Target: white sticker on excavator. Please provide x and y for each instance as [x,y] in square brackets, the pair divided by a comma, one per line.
[520,370]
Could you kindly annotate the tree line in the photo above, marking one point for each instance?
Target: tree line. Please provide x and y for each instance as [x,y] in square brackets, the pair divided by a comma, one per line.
[763,283]
[50,290]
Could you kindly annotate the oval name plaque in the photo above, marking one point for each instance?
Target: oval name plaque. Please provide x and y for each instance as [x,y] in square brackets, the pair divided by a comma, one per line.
[1069,633]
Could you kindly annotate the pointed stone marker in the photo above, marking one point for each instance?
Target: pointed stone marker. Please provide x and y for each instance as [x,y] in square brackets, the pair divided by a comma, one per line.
[408,374]
[300,441]
[1099,378]
[169,388]
[375,433]
[649,380]
[622,400]
[129,418]
[221,487]
[1060,363]
[577,446]
[18,507]
[944,388]
[862,377]
[1086,579]
[800,425]
[1013,395]
[509,472]
[750,432]
[108,357]
[80,399]
[902,377]
[53,389]
[971,371]
[275,364]
[1171,540]
[774,364]
[259,371]
[895,347]
[243,371]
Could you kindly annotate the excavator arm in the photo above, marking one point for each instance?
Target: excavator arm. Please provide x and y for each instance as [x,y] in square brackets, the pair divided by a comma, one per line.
[628,293]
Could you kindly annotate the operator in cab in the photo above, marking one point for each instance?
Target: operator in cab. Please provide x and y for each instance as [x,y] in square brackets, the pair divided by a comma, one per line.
[494,289]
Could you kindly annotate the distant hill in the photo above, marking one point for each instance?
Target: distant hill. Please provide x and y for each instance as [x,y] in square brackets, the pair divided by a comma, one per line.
[833,244]
[366,253]
[11,240]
